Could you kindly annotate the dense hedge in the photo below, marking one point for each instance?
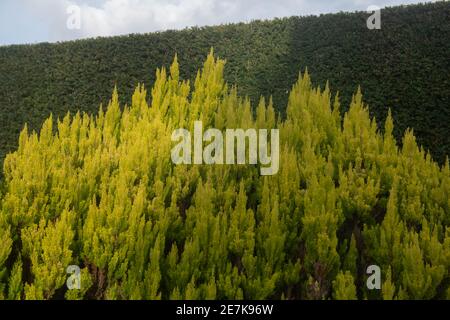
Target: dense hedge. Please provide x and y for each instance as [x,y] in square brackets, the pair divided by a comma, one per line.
[102,193]
[404,66]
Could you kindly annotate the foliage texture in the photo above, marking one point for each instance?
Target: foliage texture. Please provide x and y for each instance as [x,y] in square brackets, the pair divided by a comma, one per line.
[404,66]
[100,191]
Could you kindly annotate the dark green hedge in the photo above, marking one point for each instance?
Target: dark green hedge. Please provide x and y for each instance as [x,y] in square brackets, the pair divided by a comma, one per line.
[404,66]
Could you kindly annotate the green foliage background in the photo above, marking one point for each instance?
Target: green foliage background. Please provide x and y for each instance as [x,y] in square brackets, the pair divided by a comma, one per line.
[101,192]
[404,66]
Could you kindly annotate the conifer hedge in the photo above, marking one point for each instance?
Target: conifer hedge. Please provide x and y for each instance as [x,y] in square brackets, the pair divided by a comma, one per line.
[404,66]
[101,192]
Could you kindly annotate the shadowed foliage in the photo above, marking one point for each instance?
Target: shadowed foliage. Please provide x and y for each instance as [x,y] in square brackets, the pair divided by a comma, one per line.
[404,66]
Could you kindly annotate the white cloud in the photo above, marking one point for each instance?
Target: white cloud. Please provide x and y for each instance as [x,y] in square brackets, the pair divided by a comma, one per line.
[127,16]
[114,17]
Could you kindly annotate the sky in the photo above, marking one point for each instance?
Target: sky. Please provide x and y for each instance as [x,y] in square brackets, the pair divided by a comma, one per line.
[33,21]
